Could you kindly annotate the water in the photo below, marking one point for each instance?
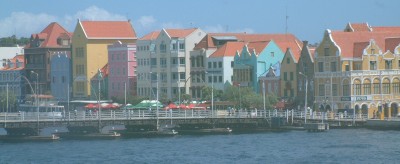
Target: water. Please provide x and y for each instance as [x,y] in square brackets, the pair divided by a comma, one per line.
[334,146]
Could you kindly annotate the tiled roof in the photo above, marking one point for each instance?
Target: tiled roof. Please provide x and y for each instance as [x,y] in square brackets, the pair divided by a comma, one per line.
[386,29]
[359,48]
[20,59]
[50,35]
[391,44]
[228,49]
[358,27]
[257,46]
[282,40]
[180,33]
[151,36]
[108,29]
[346,40]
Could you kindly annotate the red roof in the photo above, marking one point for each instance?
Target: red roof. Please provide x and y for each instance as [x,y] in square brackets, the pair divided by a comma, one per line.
[284,41]
[359,27]
[391,44]
[50,34]
[151,36]
[228,49]
[108,29]
[347,40]
[180,33]
[20,59]
[359,48]
[257,46]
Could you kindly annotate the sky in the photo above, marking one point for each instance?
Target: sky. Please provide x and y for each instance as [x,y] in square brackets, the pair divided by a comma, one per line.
[307,19]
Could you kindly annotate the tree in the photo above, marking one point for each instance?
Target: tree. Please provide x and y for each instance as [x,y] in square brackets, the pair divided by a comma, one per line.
[12,100]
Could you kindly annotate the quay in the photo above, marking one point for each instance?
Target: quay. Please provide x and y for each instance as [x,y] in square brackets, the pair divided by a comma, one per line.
[139,121]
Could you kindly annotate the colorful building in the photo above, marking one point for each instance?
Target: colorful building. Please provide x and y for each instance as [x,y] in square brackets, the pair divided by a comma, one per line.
[54,38]
[61,76]
[89,50]
[305,65]
[356,70]
[122,68]
[13,79]
[168,64]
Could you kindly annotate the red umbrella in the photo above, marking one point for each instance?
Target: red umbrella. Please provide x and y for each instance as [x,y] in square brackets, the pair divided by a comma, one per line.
[91,106]
[171,106]
[183,106]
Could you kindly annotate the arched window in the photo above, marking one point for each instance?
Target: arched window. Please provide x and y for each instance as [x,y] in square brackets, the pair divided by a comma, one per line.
[376,86]
[367,87]
[396,86]
[346,88]
[357,87]
[386,86]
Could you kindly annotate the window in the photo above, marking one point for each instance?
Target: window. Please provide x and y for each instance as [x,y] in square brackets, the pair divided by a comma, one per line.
[320,67]
[174,76]
[214,64]
[291,76]
[334,89]
[376,88]
[333,66]
[396,87]
[357,66]
[219,64]
[163,62]
[174,61]
[163,48]
[209,64]
[79,52]
[232,64]
[272,54]
[182,61]
[173,46]
[388,64]
[210,79]
[367,89]
[193,62]
[215,78]
[347,67]
[288,60]
[386,88]
[326,51]
[153,62]
[321,90]
[182,76]
[372,65]
[346,90]
[357,89]
[220,79]
[181,46]
[285,76]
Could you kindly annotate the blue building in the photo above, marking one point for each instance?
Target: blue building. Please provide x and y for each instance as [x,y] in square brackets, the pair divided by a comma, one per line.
[13,79]
[60,75]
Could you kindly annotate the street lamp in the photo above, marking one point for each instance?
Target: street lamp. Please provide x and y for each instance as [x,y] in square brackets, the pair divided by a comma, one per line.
[212,94]
[37,100]
[305,101]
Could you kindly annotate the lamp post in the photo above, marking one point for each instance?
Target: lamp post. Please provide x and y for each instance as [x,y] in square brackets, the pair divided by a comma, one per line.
[37,99]
[98,102]
[305,101]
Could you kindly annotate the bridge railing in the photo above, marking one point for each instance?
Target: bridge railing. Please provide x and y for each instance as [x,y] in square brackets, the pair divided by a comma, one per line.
[169,114]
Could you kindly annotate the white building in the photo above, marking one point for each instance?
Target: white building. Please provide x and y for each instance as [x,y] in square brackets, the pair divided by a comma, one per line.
[9,53]
[164,59]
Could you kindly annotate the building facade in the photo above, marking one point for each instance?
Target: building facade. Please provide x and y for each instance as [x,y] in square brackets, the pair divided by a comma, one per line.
[305,65]
[168,64]
[61,76]
[89,50]
[357,71]
[13,79]
[38,53]
[122,67]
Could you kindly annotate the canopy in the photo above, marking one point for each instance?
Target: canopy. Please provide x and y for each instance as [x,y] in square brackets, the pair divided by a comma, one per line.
[146,104]
[92,106]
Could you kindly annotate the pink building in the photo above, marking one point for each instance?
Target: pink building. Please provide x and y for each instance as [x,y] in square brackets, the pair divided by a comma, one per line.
[122,67]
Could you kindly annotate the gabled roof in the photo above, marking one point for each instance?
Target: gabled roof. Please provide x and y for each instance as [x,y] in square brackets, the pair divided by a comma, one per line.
[150,36]
[391,44]
[258,47]
[282,40]
[347,40]
[50,34]
[228,49]
[180,33]
[353,27]
[108,29]
[20,58]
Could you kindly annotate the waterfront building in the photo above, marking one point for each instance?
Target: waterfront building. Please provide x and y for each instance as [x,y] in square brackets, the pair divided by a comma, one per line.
[39,51]
[60,75]
[165,60]
[89,50]
[357,71]
[12,78]
[122,68]
[9,53]
[270,82]
[305,65]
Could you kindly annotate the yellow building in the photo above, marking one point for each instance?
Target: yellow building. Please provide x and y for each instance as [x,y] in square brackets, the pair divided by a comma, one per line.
[357,70]
[89,49]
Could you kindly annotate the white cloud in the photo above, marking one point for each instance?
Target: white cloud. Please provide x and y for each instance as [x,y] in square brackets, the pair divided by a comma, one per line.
[23,24]
[220,29]
[91,13]
[146,21]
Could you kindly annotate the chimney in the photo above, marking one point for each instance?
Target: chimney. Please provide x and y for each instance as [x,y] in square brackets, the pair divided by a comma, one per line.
[305,42]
